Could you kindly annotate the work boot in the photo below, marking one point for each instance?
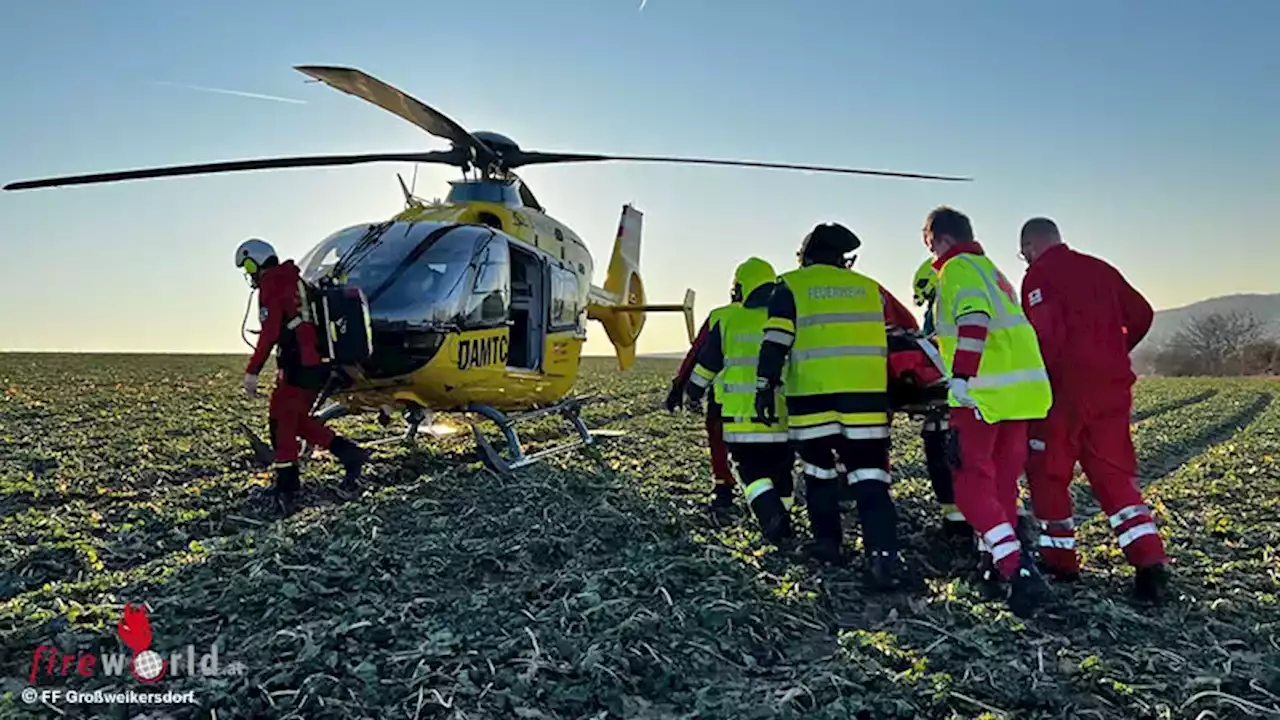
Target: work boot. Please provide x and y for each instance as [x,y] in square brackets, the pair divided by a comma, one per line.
[1151,583]
[721,498]
[1029,591]
[826,550]
[882,570]
[822,502]
[1059,575]
[353,457]
[1028,532]
[990,583]
[775,523]
[287,486]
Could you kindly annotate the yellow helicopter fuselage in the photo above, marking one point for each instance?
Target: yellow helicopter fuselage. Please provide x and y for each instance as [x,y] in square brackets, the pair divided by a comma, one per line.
[475,366]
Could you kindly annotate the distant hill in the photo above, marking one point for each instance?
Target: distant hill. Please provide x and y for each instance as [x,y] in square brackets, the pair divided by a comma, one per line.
[1266,308]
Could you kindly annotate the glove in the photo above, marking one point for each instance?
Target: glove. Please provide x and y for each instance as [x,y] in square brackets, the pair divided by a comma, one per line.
[251,385]
[958,393]
[693,404]
[766,408]
[674,397]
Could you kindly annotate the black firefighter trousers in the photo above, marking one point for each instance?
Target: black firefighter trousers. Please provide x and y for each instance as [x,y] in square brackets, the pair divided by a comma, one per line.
[866,464]
[765,472]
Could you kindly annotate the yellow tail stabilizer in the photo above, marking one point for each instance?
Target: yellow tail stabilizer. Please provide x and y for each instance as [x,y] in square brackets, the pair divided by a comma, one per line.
[620,305]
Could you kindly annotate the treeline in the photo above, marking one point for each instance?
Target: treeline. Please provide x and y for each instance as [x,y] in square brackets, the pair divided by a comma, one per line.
[1217,344]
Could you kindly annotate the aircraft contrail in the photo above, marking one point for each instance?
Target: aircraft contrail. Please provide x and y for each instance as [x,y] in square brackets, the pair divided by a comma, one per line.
[237,93]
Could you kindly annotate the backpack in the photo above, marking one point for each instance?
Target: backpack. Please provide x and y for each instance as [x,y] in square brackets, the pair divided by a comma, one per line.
[341,315]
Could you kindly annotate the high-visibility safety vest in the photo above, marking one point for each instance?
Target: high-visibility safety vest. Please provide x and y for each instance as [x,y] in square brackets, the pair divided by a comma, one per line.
[1011,383]
[837,374]
[713,319]
[741,334]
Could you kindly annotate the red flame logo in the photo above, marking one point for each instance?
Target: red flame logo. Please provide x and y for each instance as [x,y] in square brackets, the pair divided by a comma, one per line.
[135,629]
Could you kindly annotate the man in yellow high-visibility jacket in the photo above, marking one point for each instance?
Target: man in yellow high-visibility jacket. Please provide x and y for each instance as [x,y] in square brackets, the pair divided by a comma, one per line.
[727,359]
[826,330]
[997,384]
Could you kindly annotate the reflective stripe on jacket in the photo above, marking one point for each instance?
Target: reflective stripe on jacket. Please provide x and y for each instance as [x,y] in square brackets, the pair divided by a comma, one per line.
[836,377]
[742,332]
[1011,383]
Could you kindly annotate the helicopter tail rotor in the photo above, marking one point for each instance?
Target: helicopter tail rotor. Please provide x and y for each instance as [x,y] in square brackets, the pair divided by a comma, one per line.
[620,305]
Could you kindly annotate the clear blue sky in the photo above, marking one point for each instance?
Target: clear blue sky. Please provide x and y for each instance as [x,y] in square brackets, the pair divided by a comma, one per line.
[1150,130]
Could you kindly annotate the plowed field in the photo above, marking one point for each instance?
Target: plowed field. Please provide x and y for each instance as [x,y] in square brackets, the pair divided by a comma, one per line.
[590,586]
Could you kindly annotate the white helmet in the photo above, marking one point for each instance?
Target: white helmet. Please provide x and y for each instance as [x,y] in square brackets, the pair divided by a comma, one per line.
[253,254]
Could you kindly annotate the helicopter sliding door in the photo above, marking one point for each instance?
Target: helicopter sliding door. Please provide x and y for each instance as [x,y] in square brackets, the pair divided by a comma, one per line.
[527,310]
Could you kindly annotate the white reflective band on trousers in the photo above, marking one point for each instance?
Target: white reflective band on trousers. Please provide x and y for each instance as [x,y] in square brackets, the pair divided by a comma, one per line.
[872,432]
[1125,514]
[936,425]
[758,488]
[814,471]
[868,474]
[294,323]
[1067,525]
[1127,537]
[954,516]
[1061,543]
[1000,541]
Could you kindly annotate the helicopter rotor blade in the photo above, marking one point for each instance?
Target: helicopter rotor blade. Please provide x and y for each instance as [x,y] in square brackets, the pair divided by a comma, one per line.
[372,90]
[451,157]
[524,158]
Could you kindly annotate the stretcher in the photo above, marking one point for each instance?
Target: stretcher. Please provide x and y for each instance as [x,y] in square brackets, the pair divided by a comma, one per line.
[917,375]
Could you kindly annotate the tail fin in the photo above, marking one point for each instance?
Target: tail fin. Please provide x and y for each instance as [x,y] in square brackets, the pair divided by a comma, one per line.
[620,304]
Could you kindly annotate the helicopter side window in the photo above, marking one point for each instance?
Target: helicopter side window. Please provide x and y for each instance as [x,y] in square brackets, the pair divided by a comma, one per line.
[564,299]
[490,296]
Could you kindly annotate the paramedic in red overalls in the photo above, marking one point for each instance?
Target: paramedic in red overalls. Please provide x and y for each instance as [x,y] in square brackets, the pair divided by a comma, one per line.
[721,473]
[1088,319]
[286,322]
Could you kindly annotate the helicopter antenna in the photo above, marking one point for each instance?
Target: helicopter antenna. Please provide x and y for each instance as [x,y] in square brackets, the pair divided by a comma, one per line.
[413,184]
[410,202]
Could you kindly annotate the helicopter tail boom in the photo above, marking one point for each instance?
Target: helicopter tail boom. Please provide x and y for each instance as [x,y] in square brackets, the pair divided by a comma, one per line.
[620,305]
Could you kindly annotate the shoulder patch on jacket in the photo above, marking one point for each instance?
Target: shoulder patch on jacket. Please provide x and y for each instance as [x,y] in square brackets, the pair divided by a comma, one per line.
[1034,297]
[262,314]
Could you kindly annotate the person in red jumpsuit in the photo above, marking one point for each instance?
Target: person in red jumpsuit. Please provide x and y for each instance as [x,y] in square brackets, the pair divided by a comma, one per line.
[287,327]
[1088,319]
[721,474]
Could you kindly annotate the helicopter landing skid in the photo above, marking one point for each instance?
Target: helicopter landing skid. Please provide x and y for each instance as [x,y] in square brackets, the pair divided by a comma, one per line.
[570,409]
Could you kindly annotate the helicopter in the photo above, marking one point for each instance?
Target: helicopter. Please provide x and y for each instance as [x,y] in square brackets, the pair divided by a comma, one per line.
[476,305]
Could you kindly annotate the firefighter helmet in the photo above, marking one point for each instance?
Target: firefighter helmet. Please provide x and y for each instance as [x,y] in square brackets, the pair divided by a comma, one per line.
[924,287]
[752,274]
[829,240]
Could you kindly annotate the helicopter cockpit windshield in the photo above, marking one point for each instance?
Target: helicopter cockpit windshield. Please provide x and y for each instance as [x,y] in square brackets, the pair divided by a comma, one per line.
[424,273]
